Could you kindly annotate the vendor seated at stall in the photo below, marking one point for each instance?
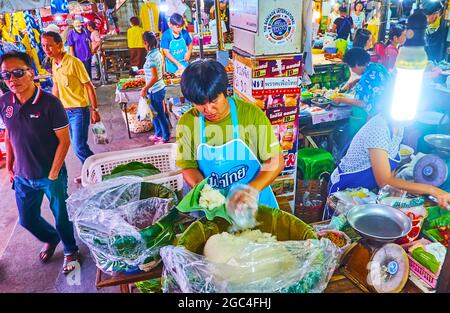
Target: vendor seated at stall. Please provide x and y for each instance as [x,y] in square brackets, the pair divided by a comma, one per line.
[368,89]
[372,157]
[176,45]
[226,139]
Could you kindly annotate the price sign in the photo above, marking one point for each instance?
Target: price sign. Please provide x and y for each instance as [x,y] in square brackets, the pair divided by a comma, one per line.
[242,78]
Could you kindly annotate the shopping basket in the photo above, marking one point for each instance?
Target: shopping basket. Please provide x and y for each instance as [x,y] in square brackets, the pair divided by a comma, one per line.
[161,156]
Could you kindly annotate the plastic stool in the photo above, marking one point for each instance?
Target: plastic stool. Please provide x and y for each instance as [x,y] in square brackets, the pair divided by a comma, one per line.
[313,162]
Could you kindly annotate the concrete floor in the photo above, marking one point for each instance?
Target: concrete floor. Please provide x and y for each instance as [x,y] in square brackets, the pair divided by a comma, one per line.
[20,268]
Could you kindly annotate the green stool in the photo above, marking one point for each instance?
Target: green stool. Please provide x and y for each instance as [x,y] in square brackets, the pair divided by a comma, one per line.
[312,162]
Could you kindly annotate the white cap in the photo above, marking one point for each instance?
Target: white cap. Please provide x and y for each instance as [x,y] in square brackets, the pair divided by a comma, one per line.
[52,28]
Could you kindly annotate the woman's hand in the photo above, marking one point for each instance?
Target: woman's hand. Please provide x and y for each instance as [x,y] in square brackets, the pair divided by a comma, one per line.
[144,92]
[95,117]
[187,56]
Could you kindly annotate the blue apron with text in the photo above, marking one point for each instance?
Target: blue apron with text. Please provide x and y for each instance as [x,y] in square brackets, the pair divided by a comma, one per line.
[231,163]
[177,49]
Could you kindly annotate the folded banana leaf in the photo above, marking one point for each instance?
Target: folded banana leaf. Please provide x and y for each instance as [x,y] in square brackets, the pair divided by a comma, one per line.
[190,203]
[133,169]
[283,225]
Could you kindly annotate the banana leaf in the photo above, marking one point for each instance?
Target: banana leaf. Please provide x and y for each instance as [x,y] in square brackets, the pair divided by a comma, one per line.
[437,217]
[133,169]
[190,203]
[283,225]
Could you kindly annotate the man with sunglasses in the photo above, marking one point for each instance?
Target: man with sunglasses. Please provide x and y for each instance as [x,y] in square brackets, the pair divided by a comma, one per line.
[72,85]
[37,141]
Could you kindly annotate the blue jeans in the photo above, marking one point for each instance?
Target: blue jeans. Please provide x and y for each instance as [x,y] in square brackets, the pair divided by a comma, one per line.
[160,121]
[29,195]
[79,120]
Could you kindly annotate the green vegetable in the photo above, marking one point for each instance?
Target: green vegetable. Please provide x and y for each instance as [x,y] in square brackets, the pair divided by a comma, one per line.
[133,169]
[426,259]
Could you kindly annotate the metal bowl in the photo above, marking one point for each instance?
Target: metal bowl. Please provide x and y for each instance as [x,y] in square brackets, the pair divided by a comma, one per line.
[439,141]
[379,222]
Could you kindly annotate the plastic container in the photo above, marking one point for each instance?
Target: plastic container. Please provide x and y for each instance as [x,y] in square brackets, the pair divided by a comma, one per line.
[330,50]
[423,273]
[161,156]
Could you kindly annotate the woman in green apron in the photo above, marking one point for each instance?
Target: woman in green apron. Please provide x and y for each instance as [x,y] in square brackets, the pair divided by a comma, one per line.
[225,139]
[368,89]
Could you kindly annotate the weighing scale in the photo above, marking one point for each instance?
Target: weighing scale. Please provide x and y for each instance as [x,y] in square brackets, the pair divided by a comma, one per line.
[374,263]
[433,169]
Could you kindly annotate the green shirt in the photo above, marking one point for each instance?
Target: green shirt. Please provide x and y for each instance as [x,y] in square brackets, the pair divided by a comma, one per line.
[254,129]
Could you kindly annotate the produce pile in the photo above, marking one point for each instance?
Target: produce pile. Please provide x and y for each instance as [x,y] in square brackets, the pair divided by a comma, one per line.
[131,83]
[133,169]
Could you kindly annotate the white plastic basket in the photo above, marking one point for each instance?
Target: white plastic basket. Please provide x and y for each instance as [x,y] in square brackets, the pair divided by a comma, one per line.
[172,180]
[161,156]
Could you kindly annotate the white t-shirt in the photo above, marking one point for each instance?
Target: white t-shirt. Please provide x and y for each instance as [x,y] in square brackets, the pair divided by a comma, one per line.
[375,134]
[213,30]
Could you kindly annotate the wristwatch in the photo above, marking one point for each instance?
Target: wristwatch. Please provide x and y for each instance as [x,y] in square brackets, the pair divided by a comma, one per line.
[95,109]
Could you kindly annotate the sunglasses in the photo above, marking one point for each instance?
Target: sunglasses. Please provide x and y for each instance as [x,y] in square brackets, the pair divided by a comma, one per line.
[17,73]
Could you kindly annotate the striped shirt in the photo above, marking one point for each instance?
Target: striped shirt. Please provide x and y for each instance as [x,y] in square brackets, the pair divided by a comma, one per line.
[154,59]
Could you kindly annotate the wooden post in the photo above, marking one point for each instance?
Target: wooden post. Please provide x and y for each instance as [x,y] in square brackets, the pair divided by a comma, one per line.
[385,6]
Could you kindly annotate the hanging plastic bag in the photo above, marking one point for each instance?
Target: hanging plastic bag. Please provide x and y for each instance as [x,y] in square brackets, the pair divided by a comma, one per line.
[100,136]
[144,111]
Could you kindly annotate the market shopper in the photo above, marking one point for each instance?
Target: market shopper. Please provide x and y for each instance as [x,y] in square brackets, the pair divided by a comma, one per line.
[368,90]
[95,46]
[72,85]
[79,42]
[436,33]
[136,43]
[358,16]
[37,140]
[334,14]
[177,45]
[225,139]
[155,89]
[363,39]
[397,37]
[343,25]
[372,157]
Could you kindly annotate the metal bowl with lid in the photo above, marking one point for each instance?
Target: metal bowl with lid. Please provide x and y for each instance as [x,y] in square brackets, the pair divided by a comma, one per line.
[378,222]
[439,142]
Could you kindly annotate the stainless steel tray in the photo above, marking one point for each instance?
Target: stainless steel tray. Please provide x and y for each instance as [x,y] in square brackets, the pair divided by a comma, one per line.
[439,141]
[379,222]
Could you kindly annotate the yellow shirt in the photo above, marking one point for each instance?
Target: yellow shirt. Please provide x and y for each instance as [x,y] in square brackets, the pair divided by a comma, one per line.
[70,77]
[374,27]
[150,17]
[134,37]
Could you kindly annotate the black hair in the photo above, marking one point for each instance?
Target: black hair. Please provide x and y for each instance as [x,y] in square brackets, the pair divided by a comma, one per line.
[431,7]
[17,55]
[56,37]
[203,81]
[361,37]
[150,38]
[176,19]
[356,57]
[342,9]
[359,2]
[92,25]
[134,21]
[395,31]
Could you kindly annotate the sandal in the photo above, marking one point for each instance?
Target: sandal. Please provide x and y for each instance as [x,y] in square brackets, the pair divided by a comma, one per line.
[47,252]
[69,260]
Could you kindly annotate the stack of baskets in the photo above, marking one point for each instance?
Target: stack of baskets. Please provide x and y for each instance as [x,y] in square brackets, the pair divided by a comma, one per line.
[161,156]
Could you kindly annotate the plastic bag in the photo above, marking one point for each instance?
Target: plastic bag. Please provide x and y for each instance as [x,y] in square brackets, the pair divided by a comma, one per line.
[100,136]
[280,266]
[124,232]
[144,112]
[242,214]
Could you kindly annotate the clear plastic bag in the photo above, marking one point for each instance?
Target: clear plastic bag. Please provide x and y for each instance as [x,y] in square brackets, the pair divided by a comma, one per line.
[242,213]
[144,111]
[100,136]
[123,232]
[280,266]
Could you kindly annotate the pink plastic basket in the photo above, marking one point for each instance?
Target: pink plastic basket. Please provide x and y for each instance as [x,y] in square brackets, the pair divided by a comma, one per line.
[423,273]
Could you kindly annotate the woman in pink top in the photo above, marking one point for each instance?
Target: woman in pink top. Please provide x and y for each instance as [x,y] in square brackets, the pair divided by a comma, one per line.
[397,37]
[96,43]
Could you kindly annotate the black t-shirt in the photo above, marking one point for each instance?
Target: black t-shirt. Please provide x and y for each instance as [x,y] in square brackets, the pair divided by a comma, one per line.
[343,27]
[31,127]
